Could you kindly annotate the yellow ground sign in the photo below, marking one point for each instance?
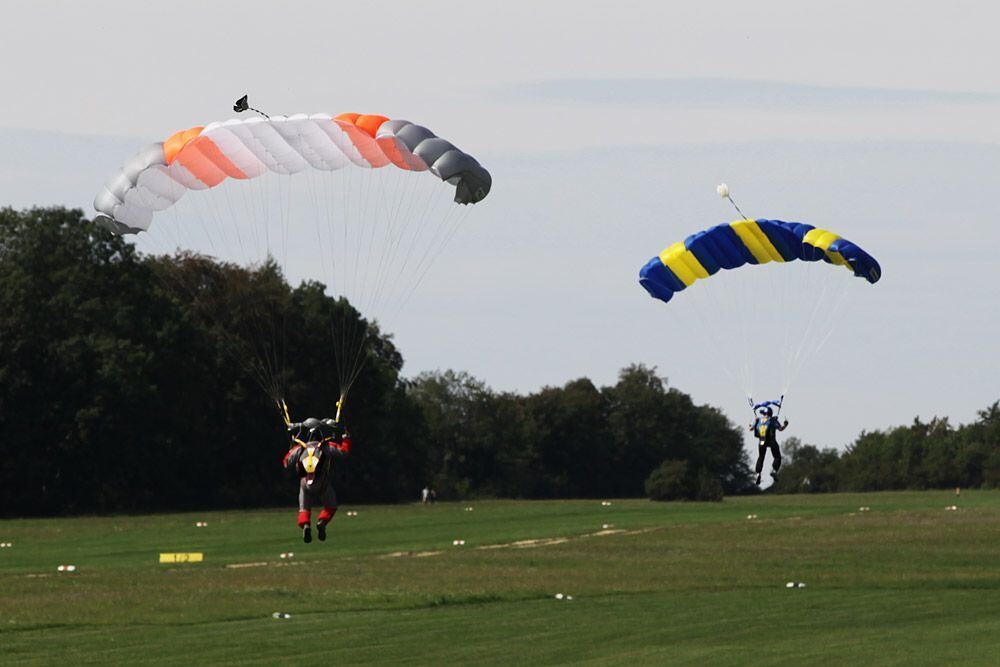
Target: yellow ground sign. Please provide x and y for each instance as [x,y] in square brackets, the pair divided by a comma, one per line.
[182,558]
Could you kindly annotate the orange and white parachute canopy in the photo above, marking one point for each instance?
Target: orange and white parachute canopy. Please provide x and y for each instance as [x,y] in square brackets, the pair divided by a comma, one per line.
[203,157]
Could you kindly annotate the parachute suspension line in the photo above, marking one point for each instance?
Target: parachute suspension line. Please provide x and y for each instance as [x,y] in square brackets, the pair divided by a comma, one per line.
[357,199]
[337,245]
[346,334]
[770,304]
[359,329]
[286,222]
[384,236]
[731,201]
[388,210]
[270,344]
[257,371]
[743,302]
[268,320]
[707,309]
[446,225]
[790,336]
[403,233]
[451,229]
[283,409]
[347,205]
[816,287]
[263,349]
[403,199]
[379,225]
[423,267]
[746,303]
[329,248]
[824,330]
[322,207]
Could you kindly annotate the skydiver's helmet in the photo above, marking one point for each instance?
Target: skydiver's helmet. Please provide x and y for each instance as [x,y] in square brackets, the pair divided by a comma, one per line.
[313,428]
[766,412]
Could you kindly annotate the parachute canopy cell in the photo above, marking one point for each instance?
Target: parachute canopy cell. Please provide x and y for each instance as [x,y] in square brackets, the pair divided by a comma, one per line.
[203,157]
[736,244]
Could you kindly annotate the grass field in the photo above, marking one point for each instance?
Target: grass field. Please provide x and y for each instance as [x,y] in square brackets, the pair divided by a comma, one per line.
[906,583]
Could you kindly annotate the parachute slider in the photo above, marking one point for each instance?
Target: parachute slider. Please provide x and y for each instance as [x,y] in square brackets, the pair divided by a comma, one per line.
[765,404]
[241,105]
[315,427]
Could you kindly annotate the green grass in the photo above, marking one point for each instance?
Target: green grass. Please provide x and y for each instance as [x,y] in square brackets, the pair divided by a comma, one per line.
[688,583]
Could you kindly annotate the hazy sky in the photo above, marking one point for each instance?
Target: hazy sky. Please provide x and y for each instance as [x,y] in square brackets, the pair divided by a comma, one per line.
[606,132]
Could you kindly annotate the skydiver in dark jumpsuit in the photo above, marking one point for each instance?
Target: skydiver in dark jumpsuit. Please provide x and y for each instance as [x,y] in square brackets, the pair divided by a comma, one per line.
[312,460]
[765,427]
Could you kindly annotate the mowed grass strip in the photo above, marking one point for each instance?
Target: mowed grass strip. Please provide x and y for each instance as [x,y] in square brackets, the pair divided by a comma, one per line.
[905,583]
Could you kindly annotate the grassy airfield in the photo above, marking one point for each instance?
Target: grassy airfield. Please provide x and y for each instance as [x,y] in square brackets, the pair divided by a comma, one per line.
[905,583]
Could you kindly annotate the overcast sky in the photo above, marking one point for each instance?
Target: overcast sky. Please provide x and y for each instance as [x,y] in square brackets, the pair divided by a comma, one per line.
[606,133]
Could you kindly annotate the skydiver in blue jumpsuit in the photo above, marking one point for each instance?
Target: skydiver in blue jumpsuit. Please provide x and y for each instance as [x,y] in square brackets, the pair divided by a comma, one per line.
[765,427]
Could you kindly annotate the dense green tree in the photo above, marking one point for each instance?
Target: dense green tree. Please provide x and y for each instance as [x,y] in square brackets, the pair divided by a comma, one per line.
[670,481]
[88,351]
[918,456]
[576,440]
[650,423]
[137,383]
[134,383]
[807,469]
[570,440]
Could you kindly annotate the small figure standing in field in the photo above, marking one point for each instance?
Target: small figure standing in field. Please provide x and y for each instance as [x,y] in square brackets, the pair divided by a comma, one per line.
[425,495]
[765,427]
[312,459]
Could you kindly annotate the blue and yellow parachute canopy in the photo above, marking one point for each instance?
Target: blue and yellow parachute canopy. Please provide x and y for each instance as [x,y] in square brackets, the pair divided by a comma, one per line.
[736,244]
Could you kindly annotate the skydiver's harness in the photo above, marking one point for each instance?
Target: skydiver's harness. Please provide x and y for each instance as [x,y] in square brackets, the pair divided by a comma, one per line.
[291,426]
[312,454]
[761,427]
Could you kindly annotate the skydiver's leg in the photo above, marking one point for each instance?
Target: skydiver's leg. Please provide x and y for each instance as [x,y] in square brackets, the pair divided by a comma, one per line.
[329,500]
[761,450]
[324,518]
[776,458]
[305,513]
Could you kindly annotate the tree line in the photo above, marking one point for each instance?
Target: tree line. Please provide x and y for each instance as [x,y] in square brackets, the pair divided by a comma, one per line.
[922,455]
[144,383]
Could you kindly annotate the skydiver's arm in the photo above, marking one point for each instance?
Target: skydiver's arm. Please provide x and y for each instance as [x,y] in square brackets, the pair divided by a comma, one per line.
[782,427]
[292,457]
[342,449]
